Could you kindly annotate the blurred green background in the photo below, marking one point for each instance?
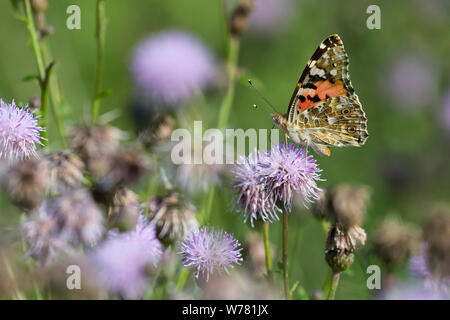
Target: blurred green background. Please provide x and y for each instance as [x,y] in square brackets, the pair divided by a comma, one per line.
[404,161]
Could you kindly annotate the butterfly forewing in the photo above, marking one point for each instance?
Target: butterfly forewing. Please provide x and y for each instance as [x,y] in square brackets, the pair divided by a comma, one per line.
[324,109]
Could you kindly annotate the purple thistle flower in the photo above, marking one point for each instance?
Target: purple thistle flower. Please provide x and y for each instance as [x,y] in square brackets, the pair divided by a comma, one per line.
[269,17]
[19,132]
[79,217]
[275,177]
[411,81]
[123,258]
[208,250]
[169,67]
[43,237]
[445,114]
[289,172]
[253,195]
[418,267]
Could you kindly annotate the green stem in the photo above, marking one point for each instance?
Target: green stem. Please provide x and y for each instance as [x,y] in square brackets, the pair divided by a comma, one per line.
[334,284]
[267,247]
[233,54]
[100,36]
[285,256]
[182,278]
[227,103]
[42,74]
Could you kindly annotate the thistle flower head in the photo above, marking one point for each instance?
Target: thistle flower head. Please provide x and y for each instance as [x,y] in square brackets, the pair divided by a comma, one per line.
[122,259]
[208,250]
[173,217]
[65,171]
[253,195]
[42,235]
[171,66]
[26,183]
[79,216]
[411,80]
[288,170]
[269,18]
[273,178]
[19,132]
[394,241]
[124,211]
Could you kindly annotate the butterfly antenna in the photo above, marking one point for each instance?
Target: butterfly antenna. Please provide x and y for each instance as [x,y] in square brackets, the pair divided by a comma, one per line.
[261,95]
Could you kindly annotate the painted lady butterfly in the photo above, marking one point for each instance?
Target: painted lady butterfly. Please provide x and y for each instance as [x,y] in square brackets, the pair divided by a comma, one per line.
[324,109]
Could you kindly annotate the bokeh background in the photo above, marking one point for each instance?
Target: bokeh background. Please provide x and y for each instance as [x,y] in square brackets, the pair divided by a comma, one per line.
[400,73]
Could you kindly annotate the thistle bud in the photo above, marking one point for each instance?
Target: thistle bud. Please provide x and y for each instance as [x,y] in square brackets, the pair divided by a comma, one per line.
[348,204]
[39,5]
[240,17]
[159,130]
[124,211]
[173,217]
[65,171]
[394,241]
[26,183]
[437,237]
[339,250]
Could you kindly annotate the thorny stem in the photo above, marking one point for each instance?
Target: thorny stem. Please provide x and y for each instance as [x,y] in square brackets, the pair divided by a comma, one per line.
[265,226]
[100,36]
[42,77]
[334,284]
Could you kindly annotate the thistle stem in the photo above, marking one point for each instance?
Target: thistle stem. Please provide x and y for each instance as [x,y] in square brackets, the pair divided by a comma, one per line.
[285,256]
[100,36]
[233,54]
[42,78]
[225,108]
[334,283]
[182,278]
[265,227]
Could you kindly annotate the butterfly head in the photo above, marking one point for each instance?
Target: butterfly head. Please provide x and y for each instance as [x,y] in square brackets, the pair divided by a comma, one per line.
[279,120]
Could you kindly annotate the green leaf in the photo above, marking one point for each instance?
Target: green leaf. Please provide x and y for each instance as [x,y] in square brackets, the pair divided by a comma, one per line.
[104,93]
[31,77]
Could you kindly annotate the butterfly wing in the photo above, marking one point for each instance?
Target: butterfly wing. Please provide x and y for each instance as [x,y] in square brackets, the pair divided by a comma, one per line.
[325,76]
[337,121]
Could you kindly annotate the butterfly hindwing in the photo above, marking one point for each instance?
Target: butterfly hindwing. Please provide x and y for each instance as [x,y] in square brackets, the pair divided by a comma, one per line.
[337,121]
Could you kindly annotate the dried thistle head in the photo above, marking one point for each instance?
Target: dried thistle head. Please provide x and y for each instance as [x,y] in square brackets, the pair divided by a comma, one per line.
[26,183]
[341,244]
[173,217]
[437,237]
[394,241]
[123,168]
[124,211]
[160,129]
[320,206]
[65,171]
[91,142]
[240,17]
[339,250]
[348,204]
